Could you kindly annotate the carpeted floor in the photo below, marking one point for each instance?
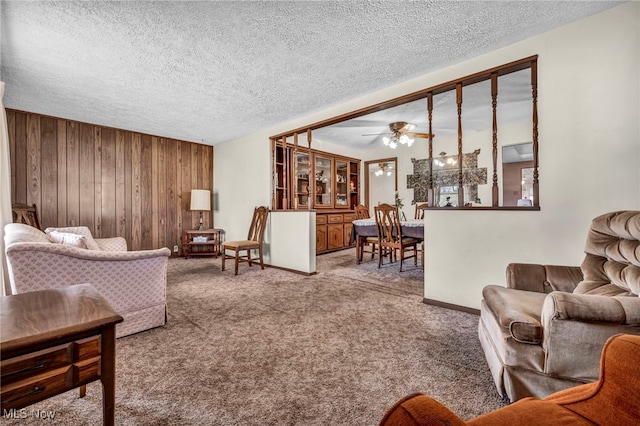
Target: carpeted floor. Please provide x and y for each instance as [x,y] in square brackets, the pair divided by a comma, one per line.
[273,347]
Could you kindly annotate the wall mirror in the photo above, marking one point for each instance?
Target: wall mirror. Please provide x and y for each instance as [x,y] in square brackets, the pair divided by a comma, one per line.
[381,182]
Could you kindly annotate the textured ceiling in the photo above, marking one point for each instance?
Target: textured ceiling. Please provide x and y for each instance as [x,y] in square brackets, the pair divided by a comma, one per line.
[215,71]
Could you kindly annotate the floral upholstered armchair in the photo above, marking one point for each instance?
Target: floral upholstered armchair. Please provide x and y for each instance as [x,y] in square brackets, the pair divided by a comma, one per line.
[545,331]
[134,282]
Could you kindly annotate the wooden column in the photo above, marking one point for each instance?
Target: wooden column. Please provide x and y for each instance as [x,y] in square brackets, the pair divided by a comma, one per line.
[285,173]
[534,96]
[430,198]
[460,180]
[494,105]
[294,171]
[312,185]
[274,179]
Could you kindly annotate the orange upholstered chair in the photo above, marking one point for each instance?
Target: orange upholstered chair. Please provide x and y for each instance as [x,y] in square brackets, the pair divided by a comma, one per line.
[613,400]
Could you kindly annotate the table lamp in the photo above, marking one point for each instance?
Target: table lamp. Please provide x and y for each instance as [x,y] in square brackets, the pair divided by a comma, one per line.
[201,201]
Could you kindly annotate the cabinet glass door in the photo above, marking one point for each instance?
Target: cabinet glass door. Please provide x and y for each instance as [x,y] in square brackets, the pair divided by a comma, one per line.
[323,189]
[354,187]
[301,186]
[342,183]
[280,178]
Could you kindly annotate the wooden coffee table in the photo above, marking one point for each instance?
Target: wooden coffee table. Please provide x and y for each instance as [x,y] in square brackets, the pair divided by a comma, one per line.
[52,341]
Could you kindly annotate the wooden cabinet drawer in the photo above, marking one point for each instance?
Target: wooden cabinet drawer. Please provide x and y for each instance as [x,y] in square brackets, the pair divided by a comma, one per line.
[85,371]
[335,218]
[35,388]
[335,237]
[15,369]
[86,349]
[321,238]
[52,382]
[348,229]
[30,378]
[333,230]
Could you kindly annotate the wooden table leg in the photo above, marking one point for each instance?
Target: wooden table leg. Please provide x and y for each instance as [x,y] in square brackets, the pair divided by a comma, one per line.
[108,375]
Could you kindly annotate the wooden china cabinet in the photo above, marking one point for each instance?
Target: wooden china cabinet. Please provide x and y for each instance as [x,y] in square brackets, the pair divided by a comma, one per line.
[307,179]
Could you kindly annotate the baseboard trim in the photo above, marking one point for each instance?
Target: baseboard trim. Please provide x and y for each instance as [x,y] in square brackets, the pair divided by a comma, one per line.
[306,274]
[451,306]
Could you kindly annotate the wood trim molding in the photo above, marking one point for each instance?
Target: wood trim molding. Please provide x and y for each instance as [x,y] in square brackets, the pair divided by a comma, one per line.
[450,306]
[365,172]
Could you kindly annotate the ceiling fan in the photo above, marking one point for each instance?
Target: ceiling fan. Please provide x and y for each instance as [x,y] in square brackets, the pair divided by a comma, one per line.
[384,168]
[401,132]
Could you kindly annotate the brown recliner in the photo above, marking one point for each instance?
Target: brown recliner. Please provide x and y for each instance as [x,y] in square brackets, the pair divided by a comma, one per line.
[613,400]
[545,331]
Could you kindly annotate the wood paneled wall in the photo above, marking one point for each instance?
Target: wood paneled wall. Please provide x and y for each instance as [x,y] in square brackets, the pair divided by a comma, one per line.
[116,182]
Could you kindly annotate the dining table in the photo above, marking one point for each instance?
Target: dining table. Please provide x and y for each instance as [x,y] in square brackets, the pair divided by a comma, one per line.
[363,228]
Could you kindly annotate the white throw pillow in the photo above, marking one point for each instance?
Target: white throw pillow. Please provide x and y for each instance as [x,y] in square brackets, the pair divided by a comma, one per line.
[78,230]
[68,239]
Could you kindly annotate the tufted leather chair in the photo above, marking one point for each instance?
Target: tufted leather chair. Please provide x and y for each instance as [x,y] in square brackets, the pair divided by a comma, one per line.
[545,331]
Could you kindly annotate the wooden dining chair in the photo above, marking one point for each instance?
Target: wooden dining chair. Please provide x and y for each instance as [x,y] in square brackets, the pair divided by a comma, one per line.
[420,210]
[420,215]
[390,235]
[362,212]
[253,241]
[27,214]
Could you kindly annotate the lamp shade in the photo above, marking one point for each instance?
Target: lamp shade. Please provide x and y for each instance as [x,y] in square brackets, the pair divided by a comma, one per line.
[200,199]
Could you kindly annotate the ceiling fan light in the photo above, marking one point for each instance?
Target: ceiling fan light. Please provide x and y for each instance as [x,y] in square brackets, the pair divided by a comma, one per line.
[398,134]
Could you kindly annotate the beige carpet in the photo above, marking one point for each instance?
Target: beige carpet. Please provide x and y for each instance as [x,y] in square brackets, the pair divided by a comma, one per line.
[273,347]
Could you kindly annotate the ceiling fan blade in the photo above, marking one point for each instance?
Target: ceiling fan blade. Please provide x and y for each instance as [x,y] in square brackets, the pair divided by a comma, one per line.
[376,134]
[419,135]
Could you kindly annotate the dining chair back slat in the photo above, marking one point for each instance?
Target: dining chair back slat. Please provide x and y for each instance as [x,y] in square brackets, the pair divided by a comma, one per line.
[420,210]
[390,235]
[253,241]
[362,212]
[258,224]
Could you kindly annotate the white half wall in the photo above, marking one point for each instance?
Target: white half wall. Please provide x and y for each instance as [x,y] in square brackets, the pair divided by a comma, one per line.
[291,240]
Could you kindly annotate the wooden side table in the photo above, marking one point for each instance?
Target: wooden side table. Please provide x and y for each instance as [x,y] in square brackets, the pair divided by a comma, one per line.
[52,341]
[209,246]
